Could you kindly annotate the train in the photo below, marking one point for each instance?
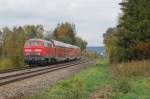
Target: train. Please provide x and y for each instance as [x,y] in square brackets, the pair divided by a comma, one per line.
[41,51]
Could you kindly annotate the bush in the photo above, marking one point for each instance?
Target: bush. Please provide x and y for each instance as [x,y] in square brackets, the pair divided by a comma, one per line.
[89,54]
[5,64]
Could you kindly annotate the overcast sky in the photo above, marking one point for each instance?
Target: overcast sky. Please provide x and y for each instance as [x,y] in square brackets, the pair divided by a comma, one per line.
[91,17]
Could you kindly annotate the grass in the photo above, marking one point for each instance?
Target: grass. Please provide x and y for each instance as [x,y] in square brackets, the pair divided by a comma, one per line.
[81,85]
[132,88]
[135,68]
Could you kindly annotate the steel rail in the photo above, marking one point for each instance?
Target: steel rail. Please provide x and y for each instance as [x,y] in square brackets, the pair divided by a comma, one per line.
[28,70]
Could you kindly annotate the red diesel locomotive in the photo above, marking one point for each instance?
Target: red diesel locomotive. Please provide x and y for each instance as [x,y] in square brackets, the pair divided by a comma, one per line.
[39,51]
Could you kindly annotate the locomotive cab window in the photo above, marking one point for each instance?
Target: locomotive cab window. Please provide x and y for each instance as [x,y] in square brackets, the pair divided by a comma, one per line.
[33,43]
[46,44]
[28,43]
[36,43]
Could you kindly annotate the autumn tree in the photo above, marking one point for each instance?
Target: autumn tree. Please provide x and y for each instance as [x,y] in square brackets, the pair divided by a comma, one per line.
[13,45]
[65,32]
[20,40]
[110,40]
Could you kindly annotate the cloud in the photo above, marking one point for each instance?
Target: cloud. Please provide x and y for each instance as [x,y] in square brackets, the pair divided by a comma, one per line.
[91,17]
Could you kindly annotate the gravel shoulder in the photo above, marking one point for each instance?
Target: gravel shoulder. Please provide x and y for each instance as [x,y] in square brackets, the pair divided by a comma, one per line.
[33,85]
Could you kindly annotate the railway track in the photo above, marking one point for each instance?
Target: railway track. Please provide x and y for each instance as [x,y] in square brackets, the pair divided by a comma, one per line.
[27,67]
[9,77]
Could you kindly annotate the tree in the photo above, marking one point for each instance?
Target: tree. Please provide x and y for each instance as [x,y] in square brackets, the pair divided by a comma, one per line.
[33,31]
[81,43]
[131,39]
[1,42]
[136,21]
[13,45]
[65,32]
[19,44]
[48,35]
[110,41]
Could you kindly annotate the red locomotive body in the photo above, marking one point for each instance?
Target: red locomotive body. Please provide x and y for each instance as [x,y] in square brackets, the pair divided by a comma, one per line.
[39,51]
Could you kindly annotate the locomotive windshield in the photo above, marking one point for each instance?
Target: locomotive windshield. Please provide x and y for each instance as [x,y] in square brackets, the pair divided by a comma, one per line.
[33,43]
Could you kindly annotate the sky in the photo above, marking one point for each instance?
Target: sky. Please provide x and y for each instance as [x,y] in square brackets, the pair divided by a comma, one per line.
[91,17]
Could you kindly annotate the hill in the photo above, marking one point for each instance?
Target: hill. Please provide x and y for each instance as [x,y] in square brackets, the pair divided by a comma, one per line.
[97,49]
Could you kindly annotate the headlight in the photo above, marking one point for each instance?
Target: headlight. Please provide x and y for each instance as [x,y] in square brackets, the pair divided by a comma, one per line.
[27,50]
[38,50]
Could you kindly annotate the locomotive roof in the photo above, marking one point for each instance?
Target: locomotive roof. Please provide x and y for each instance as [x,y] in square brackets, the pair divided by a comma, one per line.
[37,40]
[57,43]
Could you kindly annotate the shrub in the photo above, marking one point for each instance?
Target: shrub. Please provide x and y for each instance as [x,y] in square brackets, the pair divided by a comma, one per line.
[5,64]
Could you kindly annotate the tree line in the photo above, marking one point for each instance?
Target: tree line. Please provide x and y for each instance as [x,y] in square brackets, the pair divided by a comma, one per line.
[130,39]
[12,41]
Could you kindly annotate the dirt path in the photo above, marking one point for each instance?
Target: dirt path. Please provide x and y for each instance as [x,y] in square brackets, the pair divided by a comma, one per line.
[104,93]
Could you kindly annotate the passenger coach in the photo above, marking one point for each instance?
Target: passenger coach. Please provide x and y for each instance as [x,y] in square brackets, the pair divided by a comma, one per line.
[40,51]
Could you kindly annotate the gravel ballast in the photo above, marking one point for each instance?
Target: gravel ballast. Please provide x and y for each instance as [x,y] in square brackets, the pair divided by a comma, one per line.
[33,85]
